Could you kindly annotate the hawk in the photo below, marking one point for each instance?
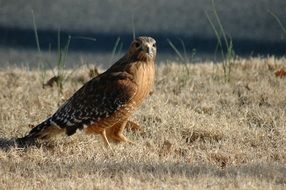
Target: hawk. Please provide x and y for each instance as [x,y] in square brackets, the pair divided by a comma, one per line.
[104,104]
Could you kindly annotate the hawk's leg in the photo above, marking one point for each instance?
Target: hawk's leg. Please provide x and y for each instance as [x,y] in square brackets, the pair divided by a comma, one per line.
[98,130]
[106,142]
[116,132]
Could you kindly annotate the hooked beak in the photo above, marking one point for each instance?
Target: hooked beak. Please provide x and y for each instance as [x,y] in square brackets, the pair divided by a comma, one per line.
[147,49]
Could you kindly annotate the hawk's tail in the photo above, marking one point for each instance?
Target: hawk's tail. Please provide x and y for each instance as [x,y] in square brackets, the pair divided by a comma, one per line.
[35,133]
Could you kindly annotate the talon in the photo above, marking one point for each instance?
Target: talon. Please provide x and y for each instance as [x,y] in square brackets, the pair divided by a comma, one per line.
[133,126]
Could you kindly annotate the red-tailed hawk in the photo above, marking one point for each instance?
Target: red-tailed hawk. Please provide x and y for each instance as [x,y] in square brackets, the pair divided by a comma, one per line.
[104,104]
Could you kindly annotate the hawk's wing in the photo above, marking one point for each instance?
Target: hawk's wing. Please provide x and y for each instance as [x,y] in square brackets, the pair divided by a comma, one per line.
[97,99]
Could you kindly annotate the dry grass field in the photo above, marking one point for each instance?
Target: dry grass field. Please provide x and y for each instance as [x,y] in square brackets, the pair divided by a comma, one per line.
[198,132]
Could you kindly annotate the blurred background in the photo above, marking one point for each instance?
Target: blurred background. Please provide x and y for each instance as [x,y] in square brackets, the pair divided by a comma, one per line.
[101,30]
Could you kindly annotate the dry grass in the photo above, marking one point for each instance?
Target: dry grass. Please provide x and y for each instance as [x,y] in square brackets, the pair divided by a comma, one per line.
[198,133]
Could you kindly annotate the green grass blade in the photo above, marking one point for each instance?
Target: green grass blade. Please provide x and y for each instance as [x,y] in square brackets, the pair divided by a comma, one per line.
[84,38]
[114,49]
[36,32]
[66,50]
[184,50]
[133,28]
[278,21]
[216,33]
[219,24]
[176,50]
[59,62]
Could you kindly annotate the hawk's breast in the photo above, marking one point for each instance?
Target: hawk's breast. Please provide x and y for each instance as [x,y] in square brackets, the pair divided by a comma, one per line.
[144,77]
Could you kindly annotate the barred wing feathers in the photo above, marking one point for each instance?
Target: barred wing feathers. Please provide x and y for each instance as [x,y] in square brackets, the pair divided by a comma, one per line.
[97,99]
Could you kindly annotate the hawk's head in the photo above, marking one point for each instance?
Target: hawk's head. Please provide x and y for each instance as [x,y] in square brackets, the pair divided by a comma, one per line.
[143,48]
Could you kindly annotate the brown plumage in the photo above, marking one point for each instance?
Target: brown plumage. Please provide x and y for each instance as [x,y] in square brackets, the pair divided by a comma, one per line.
[104,104]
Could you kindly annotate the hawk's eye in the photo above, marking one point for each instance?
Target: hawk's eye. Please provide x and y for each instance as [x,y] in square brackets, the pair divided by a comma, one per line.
[137,44]
[154,45]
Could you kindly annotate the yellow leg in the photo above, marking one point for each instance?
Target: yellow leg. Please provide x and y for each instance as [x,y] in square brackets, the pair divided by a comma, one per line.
[94,129]
[121,138]
[106,142]
[116,132]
